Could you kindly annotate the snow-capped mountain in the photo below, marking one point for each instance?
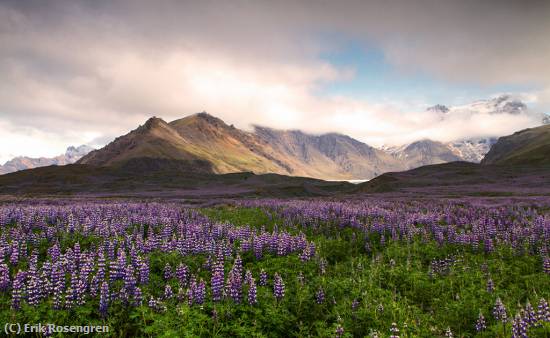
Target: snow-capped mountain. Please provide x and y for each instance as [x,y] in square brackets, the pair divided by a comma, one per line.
[472,150]
[503,104]
[438,108]
[71,155]
[424,152]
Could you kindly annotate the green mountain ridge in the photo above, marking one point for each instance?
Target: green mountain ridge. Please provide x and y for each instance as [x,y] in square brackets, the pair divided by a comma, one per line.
[526,147]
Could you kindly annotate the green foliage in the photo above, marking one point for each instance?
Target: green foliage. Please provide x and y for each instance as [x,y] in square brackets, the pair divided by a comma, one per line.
[391,284]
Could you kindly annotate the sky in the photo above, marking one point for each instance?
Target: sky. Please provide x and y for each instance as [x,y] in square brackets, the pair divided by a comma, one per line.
[83,72]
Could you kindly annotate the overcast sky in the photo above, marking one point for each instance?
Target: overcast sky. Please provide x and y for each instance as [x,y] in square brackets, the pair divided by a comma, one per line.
[75,72]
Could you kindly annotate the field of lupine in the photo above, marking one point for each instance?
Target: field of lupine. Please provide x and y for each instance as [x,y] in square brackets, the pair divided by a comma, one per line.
[275,268]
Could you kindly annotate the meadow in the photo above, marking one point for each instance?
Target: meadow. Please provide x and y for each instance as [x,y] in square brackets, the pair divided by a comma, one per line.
[395,267]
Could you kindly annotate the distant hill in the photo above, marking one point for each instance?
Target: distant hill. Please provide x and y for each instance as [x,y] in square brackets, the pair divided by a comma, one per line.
[71,155]
[526,147]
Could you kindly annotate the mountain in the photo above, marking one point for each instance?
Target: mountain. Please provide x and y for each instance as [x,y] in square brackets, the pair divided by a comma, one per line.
[526,147]
[428,152]
[71,155]
[423,152]
[438,108]
[333,156]
[472,150]
[516,164]
[204,143]
[502,104]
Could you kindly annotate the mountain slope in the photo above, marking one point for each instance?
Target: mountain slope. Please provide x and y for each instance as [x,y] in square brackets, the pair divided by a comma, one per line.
[154,140]
[526,147]
[206,140]
[333,156]
[424,152]
[71,155]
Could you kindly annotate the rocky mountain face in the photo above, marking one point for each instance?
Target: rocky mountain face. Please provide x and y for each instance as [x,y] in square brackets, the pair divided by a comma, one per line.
[203,141]
[71,155]
[472,150]
[526,147]
[333,156]
[424,152]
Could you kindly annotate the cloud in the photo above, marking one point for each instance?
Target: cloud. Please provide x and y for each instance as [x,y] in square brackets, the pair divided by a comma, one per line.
[74,72]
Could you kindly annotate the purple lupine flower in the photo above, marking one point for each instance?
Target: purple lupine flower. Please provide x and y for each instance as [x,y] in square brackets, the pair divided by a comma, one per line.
[488,245]
[113,270]
[304,256]
[339,332]
[519,327]
[14,257]
[199,293]
[167,272]
[529,317]
[490,285]
[58,282]
[100,266]
[234,286]
[207,265]
[252,294]
[481,325]
[182,273]
[168,293]
[394,330]
[17,290]
[104,299]
[190,299]
[322,266]
[156,305]
[4,277]
[278,287]
[217,282]
[181,294]
[123,296]
[33,288]
[320,296]
[144,273]
[546,265]
[543,312]
[354,305]
[138,297]
[238,265]
[94,286]
[129,279]
[263,278]
[499,311]
[247,277]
